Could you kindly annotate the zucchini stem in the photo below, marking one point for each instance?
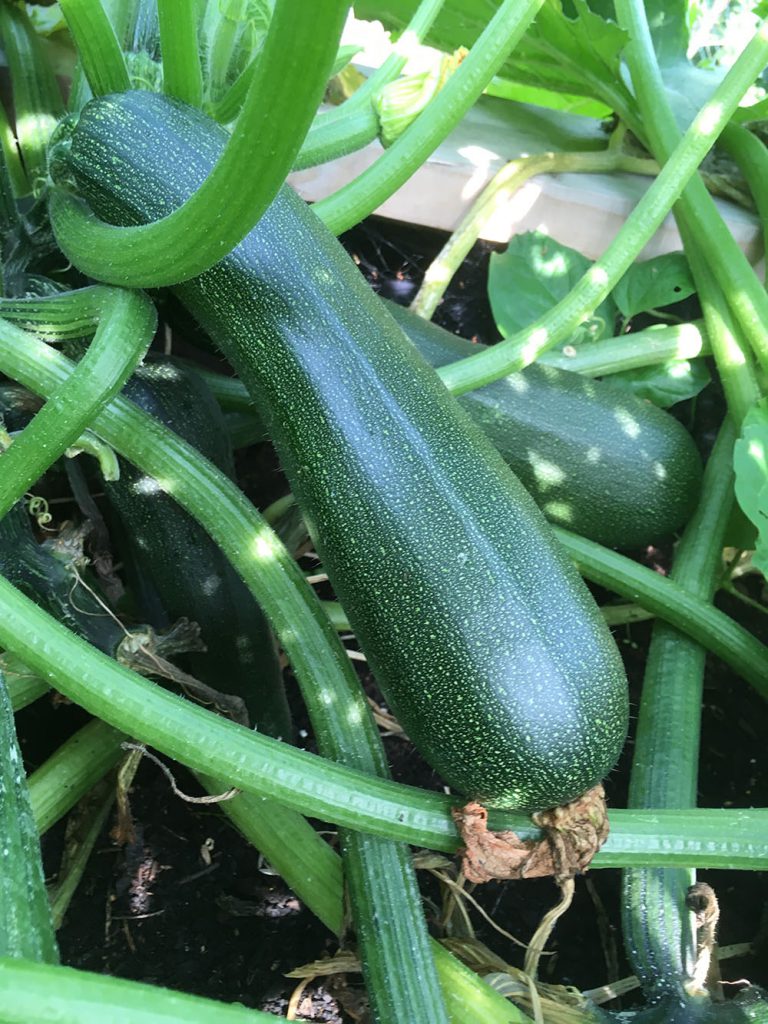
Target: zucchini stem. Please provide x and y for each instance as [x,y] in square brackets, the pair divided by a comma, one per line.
[354,123]
[354,201]
[497,194]
[100,55]
[657,928]
[260,151]
[182,74]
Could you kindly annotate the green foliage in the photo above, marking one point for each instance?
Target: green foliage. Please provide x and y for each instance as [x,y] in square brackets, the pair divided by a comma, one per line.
[654,283]
[667,383]
[531,276]
[536,272]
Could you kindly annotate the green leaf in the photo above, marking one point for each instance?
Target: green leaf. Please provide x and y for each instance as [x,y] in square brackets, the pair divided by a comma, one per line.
[750,463]
[667,383]
[534,273]
[688,88]
[654,283]
[568,102]
[580,55]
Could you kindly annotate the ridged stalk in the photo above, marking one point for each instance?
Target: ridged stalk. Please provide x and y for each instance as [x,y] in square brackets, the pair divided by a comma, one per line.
[123,336]
[299,49]
[37,101]
[312,785]
[656,923]
[182,75]
[27,931]
[100,55]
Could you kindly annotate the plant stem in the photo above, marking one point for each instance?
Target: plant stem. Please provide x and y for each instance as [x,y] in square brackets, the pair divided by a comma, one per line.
[628,351]
[732,356]
[355,201]
[122,338]
[97,46]
[27,930]
[355,123]
[751,157]
[91,816]
[72,770]
[735,364]
[496,195]
[298,49]
[14,181]
[23,687]
[62,995]
[657,925]
[182,75]
[59,317]
[706,625]
[561,322]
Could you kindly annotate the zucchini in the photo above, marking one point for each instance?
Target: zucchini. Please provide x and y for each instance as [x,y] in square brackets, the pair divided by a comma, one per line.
[178,571]
[596,460]
[481,634]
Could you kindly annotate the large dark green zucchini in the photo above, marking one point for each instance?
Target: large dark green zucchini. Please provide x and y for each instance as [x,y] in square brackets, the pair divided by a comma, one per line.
[596,460]
[180,571]
[483,637]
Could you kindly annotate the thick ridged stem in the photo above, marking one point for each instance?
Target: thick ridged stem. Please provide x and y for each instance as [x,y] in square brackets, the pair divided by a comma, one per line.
[62,995]
[123,336]
[696,210]
[72,770]
[36,98]
[182,75]
[708,626]
[274,119]
[751,157]
[657,925]
[27,930]
[312,785]
[730,349]
[100,55]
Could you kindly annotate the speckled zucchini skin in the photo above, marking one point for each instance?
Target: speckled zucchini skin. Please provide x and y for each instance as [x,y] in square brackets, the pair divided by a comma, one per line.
[481,634]
[595,460]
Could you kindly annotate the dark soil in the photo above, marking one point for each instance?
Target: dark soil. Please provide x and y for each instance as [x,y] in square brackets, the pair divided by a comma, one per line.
[191,906]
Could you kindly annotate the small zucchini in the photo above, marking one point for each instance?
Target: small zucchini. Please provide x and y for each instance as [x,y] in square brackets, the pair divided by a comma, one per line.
[595,460]
[485,641]
[178,571]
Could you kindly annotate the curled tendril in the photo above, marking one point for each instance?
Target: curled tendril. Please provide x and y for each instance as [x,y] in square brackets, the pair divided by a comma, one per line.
[38,509]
